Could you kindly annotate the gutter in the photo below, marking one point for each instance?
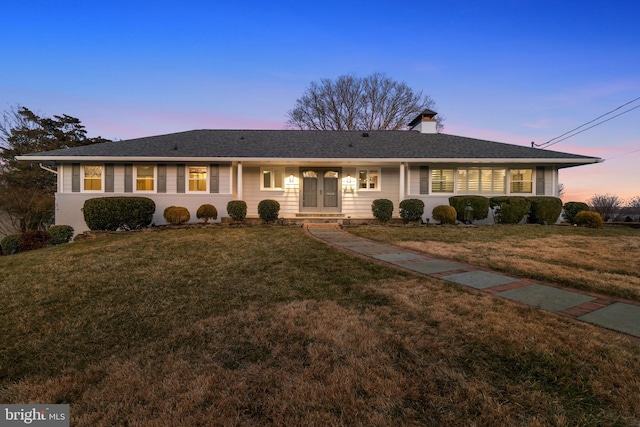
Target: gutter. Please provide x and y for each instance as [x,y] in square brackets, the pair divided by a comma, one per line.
[48,169]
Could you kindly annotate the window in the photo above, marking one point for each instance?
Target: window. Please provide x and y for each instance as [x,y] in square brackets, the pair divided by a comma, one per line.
[272,179]
[521,180]
[481,181]
[197,178]
[145,176]
[369,179]
[442,181]
[92,178]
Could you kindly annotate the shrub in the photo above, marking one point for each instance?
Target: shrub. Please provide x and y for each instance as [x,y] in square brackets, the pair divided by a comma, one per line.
[115,213]
[176,215]
[588,219]
[237,210]
[33,239]
[445,214]
[382,209]
[411,209]
[268,210]
[571,209]
[480,205]
[10,244]
[60,234]
[544,209]
[509,209]
[207,212]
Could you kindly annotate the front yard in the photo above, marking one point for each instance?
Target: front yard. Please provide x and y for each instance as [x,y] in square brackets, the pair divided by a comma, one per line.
[266,326]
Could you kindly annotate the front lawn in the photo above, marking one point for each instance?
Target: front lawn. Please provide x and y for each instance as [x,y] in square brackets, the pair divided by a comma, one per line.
[267,326]
[605,260]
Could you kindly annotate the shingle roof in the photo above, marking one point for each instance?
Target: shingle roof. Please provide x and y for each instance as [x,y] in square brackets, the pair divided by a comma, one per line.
[307,144]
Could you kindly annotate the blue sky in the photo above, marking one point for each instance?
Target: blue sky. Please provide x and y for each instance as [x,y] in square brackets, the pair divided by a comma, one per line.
[509,71]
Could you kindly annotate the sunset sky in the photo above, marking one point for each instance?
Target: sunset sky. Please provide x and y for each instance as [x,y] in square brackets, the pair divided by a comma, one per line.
[508,71]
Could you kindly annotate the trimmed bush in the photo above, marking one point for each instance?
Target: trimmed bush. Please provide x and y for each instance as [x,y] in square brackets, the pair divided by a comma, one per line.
[237,210]
[33,239]
[480,205]
[60,234]
[10,244]
[382,209]
[509,209]
[411,209]
[544,209]
[207,212]
[176,215]
[268,210]
[118,213]
[588,219]
[445,214]
[571,209]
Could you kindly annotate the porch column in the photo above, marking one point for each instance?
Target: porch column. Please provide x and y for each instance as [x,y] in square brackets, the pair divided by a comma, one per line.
[402,179]
[239,192]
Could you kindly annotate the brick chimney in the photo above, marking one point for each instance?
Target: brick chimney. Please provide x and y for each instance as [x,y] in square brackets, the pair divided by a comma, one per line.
[425,122]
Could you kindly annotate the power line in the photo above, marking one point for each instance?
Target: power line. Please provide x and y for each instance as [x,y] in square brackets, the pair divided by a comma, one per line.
[557,138]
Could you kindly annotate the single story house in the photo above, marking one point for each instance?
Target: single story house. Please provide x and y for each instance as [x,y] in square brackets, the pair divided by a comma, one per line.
[310,173]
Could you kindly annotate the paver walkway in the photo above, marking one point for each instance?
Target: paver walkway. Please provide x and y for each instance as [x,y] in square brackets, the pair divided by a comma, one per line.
[608,312]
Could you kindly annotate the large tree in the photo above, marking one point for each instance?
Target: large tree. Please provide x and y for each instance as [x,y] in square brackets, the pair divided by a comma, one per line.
[27,190]
[375,102]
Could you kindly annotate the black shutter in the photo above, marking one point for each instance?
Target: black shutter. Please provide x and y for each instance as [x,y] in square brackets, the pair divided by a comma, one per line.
[180,179]
[540,181]
[162,178]
[128,178]
[424,179]
[108,177]
[214,180]
[75,177]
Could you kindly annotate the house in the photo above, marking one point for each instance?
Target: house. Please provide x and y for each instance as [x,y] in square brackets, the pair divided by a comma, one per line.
[310,173]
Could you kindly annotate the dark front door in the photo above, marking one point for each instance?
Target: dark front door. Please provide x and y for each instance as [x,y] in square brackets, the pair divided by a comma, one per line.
[320,190]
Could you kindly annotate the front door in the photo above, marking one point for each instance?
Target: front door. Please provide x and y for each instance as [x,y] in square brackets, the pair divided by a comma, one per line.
[320,190]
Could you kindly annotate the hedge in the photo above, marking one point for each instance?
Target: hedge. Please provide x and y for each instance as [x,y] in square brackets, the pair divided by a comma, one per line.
[118,213]
[411,209]
[176,215]
[382,209]
[571,209]
[10,244]
[480,205]
[509,209]
[60,234]
[445,214]
[544,209]
[268,210]
[207,212]
[237,210]
[588,219]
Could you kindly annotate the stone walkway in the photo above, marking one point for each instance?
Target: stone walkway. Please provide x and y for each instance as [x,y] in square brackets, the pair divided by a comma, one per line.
[608,312]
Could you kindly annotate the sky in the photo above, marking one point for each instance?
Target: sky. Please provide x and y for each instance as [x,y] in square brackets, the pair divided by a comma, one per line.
[512,71]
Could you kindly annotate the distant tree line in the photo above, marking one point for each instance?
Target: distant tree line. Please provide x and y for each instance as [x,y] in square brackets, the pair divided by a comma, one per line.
[612,208]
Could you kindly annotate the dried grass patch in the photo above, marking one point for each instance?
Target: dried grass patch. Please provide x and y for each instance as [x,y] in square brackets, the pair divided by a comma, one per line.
[287,332]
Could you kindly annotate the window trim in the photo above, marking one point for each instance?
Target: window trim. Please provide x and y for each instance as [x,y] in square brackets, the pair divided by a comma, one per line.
[154,179]
[187,186]
[102,178]
[272,180]
[368,171]
[432,181]
[480,170]
[521,181]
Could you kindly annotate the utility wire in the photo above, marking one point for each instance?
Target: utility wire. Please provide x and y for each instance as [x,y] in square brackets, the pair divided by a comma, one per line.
[548,143]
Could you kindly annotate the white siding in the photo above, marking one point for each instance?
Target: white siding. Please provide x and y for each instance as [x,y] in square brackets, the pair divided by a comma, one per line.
[288,197]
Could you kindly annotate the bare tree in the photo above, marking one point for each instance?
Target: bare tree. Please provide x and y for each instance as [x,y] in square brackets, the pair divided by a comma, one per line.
[375,102]
[633,207]
[607,205]
[560,190]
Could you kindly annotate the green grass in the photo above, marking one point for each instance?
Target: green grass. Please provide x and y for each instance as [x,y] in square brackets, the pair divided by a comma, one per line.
[266,326]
